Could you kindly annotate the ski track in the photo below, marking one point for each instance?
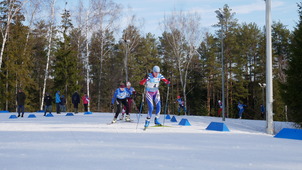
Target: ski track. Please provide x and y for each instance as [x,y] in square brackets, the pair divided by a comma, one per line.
[88,142]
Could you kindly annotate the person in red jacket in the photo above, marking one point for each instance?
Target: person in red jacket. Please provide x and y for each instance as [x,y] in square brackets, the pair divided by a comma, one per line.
[85,100]
[151,82]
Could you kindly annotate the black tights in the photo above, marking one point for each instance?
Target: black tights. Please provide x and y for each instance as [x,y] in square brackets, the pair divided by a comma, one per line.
[119,105]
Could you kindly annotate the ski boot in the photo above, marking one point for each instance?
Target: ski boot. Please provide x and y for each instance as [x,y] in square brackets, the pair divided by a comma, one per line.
[127,118]
[121,116]
[147,122]
[114,120]
[156,122]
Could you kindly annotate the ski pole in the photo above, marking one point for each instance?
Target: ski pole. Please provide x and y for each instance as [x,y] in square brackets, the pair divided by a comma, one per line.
[141,106]
[166,107]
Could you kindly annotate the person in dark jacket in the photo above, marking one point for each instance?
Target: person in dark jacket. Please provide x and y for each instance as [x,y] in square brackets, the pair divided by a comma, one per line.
[20,102]
[48,103]
[75,101]
[63,103]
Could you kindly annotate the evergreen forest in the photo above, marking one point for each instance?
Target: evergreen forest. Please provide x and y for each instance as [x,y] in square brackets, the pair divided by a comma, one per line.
[45,49]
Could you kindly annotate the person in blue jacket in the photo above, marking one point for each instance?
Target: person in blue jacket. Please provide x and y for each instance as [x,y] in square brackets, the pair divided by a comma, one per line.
[58,102]
[120,98]
[241,109]
[130,99]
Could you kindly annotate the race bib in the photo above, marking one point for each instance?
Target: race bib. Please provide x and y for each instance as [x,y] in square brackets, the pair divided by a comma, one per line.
[153,84]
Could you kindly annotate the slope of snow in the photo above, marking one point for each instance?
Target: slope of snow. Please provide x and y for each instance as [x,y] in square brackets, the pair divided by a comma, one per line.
[88,142]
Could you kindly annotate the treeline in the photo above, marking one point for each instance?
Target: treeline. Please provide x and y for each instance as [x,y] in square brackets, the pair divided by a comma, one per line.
[83,53]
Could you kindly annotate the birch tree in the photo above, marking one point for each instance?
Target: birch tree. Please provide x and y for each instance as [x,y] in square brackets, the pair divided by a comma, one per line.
[11,12]
[31,10]
[50,35]
[84,23]
[105,15]
[185,31]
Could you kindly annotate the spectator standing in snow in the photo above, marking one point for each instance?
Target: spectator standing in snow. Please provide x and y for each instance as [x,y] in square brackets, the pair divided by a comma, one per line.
[151,82]
[58,101]
[75,101]
[20,102]
[63,103]
[47,103]
[120,98]
[85,100]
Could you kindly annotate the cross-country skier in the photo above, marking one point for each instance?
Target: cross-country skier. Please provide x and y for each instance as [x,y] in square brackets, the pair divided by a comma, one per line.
[220,107]
[132,93]
[241,109]
[180,104]
[120,97]
[152,81]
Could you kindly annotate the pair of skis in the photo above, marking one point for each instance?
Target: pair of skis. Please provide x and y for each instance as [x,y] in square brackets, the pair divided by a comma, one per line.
[119,121]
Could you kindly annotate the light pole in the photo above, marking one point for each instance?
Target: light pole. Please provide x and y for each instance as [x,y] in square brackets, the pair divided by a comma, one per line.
[221,17]
[269,74]
[126,42]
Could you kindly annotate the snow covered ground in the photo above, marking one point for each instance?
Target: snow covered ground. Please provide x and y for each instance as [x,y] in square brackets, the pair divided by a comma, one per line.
[87,142]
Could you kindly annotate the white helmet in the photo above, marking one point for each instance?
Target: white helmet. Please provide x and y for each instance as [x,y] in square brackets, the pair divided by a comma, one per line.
[128,83]
[156,69]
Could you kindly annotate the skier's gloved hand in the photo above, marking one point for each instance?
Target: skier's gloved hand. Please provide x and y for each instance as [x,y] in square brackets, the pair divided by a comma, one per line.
[112,107]
[168,82]
[146,77]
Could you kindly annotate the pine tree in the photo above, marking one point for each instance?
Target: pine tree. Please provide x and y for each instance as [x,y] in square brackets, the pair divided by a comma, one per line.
[230,25]
[211,71]
[102,48]
[292,88]
[248,38]
[66,73]
[17,63]
[280,43]
[39,54]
